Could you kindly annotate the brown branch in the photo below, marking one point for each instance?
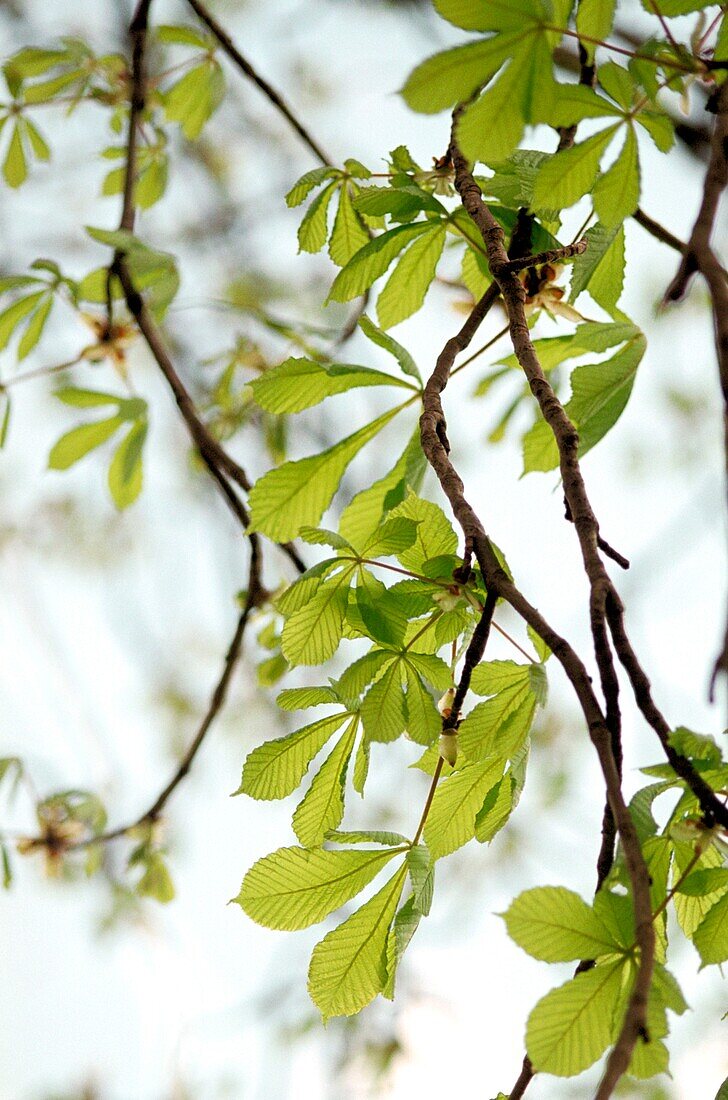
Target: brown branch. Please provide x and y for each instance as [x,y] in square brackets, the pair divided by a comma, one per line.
[699,256]
[552,256]
[436,448]
[244,65]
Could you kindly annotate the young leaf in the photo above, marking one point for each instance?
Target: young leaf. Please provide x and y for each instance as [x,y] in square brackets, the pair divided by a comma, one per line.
[297,494]
[555,925]
[125,471]
[313,230]
[600,392]
[16,313]
[572,1026]
[348,234]
[349,966]
[371,261]
[306,184]
[594,19]
[383,709]
[79,441]
[294,888]
[384,340]
[298,384]
[570,174]
[15,165]
[362,516]
[451,822]
[323,806]
[404,291]
[35,327]
[452,76]
[617,192]
[276,768]
[194,98]
[711,935]
[300,698]
[601,268]
[491,128]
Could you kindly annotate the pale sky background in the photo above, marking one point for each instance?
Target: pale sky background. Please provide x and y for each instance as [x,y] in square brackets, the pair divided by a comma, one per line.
[103,615]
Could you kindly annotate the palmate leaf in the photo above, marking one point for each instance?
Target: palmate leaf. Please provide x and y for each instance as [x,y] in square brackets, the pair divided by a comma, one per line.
[403,929]
[384,340]
[300,698]
[711,935]
[601,268]
[312,634]
[452,76]
[294,887]
[556,925]
[194,98]
[573,1025]
[298,384]
[570,174]
[371,261]
[323,806]
[501,723]
[77,443]
[349,233]
[303,187]
[617,192]
[313,230]
[491,128]
[125,471]
[451,821]
[490,15]
[404,291]
[422,876]
[349,967]
[296,494]
[276,767]
[383,710]
[362,516]
[594,19]
[435,535]
[599,395]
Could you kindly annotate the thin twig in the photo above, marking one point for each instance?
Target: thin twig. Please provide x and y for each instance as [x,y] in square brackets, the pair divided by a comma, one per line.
[244,65]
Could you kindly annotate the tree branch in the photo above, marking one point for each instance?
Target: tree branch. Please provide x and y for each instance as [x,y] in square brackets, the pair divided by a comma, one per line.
[247,69]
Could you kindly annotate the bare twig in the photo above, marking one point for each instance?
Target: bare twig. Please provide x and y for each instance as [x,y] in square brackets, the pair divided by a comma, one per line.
[244,65]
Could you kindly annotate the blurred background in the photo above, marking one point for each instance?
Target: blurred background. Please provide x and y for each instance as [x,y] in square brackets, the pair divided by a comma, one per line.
[113,626]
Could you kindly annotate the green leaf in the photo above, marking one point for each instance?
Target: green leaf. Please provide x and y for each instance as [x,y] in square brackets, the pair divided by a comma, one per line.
[574,102]
[393,537]
[276,768]
[79,441]
[85,399]
[348,234]
[491,128]
[383,709]
[371,261]
[298,384]
[323,806]
[125,471]
[35,327]
[452,76]
[194,98]
[672,8]
[617,192]
[403,202]
[435,535]
[422,876]
[380,614]
[722,1093]
[691,911]
[711,935]
[451,821]
[294,888]
[349,966]
[570,174]
[368,836]
[572,1026]
[489,15]
[302,188]
[600,392]
[404,291]
[501,724]
[361,517]
[384,340]
[594,19]
[405,925]
[156,882]
[296,494]
[16,313]
[313,230]
[15,166]
[601,268]
[182,35]
[491,677]
[423,718]
[299,698]
[555,925]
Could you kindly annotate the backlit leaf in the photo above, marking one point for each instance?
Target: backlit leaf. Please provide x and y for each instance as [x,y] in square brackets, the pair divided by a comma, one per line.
[295,888]
[276,767]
